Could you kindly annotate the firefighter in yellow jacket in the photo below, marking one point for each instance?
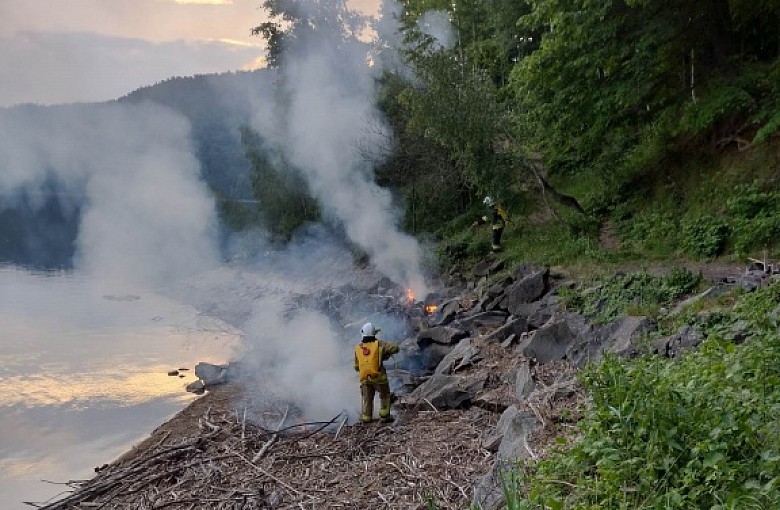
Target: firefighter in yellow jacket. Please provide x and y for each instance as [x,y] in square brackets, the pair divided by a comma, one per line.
[369,355]
[497,217]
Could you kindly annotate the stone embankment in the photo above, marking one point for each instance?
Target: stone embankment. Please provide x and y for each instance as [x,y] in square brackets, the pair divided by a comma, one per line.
[484,382]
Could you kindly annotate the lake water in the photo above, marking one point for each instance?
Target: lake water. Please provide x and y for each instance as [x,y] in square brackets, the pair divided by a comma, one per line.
[83,374]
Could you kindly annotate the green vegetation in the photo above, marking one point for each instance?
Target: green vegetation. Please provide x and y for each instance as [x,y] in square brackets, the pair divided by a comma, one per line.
[617,132]
[630,294]
[699,433]
[284,202]
[656,123]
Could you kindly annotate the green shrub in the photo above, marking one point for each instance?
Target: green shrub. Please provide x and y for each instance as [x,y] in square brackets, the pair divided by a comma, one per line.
[756,218]
[704,237]
[720,102]
[625,293]
[655,232]
[703,432]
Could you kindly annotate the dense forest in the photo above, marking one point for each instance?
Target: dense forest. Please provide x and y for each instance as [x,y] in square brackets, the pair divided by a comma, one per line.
[651,124]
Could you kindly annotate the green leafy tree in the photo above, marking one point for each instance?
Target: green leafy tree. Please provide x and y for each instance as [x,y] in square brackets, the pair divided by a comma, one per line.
[612,79]
[284,202]
[292,20]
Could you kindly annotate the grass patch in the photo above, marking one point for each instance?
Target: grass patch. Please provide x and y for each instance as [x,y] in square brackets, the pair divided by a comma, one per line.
[636,293]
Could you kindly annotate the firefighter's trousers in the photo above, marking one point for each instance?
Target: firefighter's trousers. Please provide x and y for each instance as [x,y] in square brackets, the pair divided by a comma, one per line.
[496,241]
[368,389]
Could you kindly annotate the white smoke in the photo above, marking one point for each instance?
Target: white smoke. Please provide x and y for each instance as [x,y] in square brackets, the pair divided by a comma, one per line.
[145,216]
[300,358]
[325,112]
[437,25]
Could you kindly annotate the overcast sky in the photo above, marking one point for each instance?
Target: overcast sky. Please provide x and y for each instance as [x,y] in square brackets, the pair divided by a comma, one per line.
[62,51]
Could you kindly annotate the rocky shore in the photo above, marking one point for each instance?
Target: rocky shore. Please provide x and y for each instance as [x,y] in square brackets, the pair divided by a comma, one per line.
[486,379]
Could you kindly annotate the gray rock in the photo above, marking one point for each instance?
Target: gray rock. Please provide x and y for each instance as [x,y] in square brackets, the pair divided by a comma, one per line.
[686,338]
[500,286]
[524,383]
[482,268]
[527,289]
[538,312]
[509,342]
[464,354]
[448,311]
[510,437]
[522,270]
[493,319]
[211,375]
[420,357]
[196,387]
[496,266]
[548,343]
[620,337]
[577,323]
[752,280]
[516,326]
[488,491]
[682,305]
[444,335]
[449,391]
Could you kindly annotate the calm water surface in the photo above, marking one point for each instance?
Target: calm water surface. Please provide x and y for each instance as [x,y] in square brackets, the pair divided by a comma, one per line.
[83,374]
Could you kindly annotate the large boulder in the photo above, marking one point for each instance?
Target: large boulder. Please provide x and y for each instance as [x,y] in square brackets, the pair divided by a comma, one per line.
[548,343]
[538,313]
[420,357]
[510,442]
[489,491]
[686,338]
[528,288]
[211,375]
[487,267]
[442,335]
[621,337]
[491,320]
[449,391]
[516,326]
[447,312]
[463,355]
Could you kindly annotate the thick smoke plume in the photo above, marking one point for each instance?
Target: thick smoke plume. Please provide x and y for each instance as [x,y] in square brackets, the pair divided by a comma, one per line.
[145,216]
[147,219]
[323,123]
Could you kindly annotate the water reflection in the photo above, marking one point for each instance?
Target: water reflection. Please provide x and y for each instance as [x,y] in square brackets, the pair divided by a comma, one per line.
[83,374]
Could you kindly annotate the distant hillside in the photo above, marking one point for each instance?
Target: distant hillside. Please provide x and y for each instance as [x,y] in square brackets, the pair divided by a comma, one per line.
[217,105]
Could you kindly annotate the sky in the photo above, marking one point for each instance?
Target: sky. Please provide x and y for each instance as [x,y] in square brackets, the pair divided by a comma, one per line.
[65,51]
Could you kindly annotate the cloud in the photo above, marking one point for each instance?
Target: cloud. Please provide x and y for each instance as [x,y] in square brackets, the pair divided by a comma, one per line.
[54,68]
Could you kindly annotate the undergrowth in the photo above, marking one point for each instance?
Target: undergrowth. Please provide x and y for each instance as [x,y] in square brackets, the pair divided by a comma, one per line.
[702,432]
[638,293]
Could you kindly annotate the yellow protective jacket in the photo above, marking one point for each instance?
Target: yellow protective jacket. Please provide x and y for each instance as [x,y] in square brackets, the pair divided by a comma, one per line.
[497,217]
[386,349]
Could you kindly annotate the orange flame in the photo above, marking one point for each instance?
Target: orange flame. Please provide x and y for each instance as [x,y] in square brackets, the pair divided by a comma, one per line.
[410,295]
[429,309]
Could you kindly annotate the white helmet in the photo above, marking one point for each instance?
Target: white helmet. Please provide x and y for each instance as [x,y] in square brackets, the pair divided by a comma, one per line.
[489,201]
[368,330]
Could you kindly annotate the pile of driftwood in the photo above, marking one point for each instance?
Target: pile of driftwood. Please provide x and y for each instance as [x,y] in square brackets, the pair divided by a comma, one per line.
[228,462]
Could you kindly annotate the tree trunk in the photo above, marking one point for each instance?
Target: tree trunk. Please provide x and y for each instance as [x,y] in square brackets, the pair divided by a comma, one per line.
[547,188]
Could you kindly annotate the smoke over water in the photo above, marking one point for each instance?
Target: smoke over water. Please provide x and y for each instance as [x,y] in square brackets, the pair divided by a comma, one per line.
[146,218]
